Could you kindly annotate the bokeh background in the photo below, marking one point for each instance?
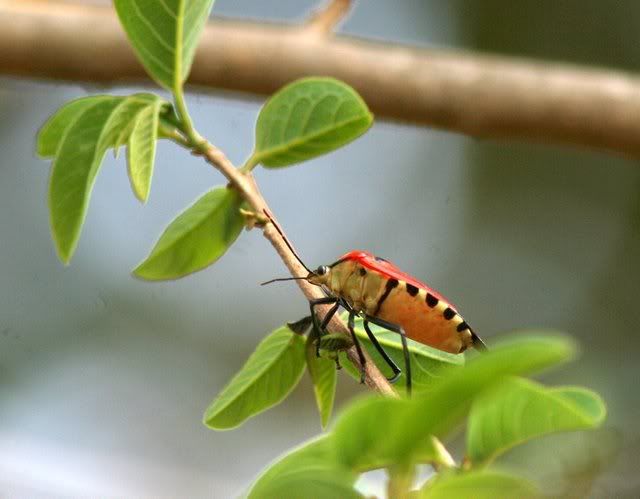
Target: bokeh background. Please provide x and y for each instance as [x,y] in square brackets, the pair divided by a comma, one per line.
[104,378]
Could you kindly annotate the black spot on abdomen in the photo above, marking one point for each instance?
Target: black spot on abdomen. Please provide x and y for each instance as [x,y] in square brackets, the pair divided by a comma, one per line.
[411,289]
[432,301]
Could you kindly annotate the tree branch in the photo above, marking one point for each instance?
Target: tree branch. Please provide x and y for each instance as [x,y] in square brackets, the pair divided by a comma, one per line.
[247,187]
[477,95]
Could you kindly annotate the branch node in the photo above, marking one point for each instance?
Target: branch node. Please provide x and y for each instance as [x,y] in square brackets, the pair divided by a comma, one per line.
[253,219]
[323,22]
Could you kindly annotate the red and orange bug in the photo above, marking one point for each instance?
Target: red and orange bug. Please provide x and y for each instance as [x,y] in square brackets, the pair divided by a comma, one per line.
[376,290]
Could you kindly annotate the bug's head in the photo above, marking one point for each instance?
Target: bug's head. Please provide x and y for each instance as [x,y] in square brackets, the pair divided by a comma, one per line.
[320,276]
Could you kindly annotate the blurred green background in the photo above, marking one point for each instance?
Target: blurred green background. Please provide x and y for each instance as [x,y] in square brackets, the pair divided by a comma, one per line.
[104,379]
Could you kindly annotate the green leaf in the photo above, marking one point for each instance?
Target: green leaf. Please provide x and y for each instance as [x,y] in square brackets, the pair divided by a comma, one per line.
[518,410]
[360,436]
[307,118]
[428,365]
[565,464]
[444,407]
[267,377]
[196,238]
[164,35]
[303,484]
[330,343]
[308,471]
[141,150]
[53,132]
[486,484]
[313,455]
[323,375]
[86,132]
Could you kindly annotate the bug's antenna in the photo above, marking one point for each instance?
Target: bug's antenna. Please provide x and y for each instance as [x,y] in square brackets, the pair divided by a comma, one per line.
[286,241]
[282,279]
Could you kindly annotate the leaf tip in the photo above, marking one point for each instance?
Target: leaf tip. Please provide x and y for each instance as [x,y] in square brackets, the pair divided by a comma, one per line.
[140,273]
[64,249]
[211,421]
[64,254]
[40,149]
[141,196]
[370,117]
[324,422]
[208,421]
[66,260]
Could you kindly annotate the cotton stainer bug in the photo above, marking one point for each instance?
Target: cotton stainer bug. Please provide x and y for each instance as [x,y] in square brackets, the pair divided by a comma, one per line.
[376,290]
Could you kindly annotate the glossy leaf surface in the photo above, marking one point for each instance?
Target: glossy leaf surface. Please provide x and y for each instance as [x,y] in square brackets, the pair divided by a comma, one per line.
[443,408]
[53,132]
[196,238]
[85,131]
[323,376]
[141,150]
[519,410]
[164,34]
[485,484]
[270,373]
[360,436]
[311,464]
[307,118]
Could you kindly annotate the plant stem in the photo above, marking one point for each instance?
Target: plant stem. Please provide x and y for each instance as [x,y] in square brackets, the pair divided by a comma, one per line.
[170,132]
[400,481]
[250,164]
[245,184]
[185,119]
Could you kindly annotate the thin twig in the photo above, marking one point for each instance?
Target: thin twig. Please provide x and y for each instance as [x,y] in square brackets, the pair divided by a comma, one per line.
[481,96]
[249,190]
[324,21]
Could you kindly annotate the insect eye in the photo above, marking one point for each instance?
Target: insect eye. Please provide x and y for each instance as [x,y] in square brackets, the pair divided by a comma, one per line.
[322,270]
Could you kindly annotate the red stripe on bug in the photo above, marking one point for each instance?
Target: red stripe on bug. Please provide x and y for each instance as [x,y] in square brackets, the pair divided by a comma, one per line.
[389,270]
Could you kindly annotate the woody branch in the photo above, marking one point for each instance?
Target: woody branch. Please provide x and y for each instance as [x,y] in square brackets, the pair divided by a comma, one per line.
[481,96]
[245,184]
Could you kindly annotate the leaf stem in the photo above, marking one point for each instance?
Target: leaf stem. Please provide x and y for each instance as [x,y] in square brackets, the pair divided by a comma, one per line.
[170,132]
[400,481]
[250,164]
[186,124]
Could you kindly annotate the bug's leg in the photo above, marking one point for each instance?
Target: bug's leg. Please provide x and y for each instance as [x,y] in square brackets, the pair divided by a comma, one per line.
[351,325]
[405,349]
[317,328]
[323,327]
[320,301]
[329,315]
[396,370]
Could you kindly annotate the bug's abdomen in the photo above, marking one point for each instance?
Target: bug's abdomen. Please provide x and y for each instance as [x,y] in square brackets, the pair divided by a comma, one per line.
[425,318]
